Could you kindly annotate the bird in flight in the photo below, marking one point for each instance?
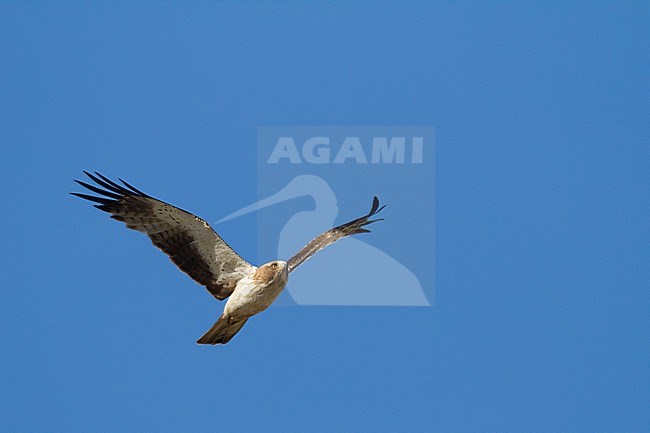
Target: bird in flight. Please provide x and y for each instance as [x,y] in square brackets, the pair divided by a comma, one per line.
[200,252]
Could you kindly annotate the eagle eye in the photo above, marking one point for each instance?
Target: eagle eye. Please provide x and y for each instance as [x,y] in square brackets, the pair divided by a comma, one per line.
[274,265]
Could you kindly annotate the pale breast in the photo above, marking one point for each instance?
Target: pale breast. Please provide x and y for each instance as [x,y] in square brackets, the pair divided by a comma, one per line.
[253,295]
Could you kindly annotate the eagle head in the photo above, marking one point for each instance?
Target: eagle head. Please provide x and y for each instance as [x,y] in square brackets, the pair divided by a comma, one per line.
[272,272]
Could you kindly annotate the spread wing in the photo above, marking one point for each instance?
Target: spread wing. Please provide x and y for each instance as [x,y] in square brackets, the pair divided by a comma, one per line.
[329,237]
[189,241]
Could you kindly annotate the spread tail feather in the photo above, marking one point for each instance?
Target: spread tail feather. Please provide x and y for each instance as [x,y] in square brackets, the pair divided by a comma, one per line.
[222,331]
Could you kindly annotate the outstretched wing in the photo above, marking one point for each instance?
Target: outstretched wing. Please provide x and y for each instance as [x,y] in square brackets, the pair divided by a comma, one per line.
[329,237]
[189,241]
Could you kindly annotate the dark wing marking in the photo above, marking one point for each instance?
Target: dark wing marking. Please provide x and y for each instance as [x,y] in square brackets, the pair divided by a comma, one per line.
[189,241]
[329,237]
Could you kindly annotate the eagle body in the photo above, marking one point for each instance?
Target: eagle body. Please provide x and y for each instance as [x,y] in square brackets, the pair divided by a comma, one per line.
[256,293]
[253,294]
[204,256]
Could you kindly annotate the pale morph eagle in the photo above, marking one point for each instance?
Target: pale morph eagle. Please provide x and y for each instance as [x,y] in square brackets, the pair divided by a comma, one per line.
[200,252]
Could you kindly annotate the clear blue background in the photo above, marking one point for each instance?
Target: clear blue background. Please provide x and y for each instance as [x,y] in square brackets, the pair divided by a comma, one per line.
[541,318]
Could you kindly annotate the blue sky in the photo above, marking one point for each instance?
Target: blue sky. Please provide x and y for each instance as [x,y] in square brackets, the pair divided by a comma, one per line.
[540,320]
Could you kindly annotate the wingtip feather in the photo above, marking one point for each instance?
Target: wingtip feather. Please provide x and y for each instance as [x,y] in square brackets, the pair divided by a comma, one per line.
[99,190]
[100,200]
[375,209]
[375,205]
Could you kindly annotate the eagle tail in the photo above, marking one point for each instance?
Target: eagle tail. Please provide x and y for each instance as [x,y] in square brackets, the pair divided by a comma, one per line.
[222,331]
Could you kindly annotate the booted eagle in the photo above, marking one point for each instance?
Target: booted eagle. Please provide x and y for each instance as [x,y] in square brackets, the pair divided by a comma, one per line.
[200,252]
